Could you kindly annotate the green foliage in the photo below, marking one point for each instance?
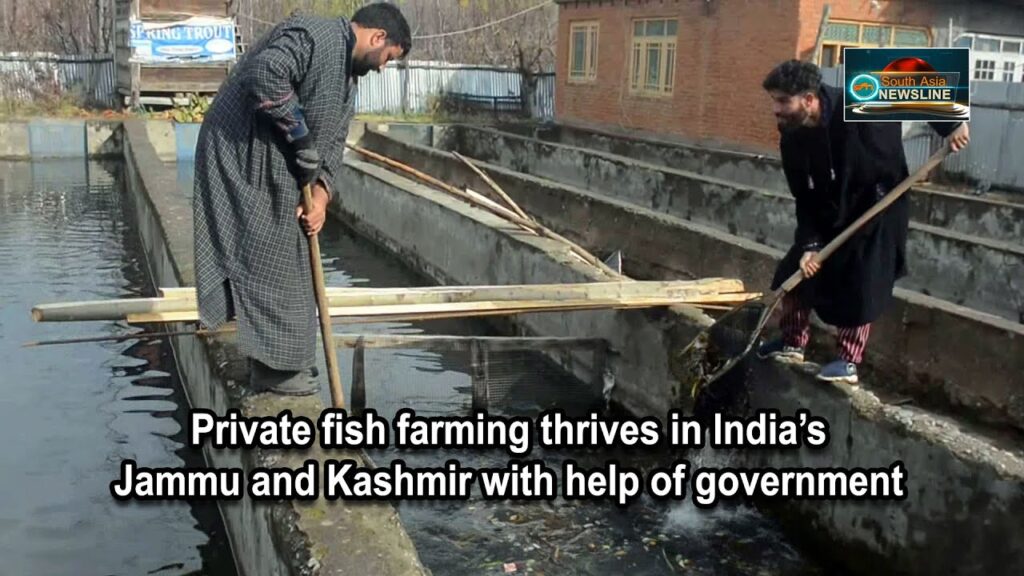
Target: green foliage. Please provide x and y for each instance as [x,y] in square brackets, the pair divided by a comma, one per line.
[194,111]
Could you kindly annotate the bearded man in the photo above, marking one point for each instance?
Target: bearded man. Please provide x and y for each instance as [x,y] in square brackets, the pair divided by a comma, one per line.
[278,123]
[836,171]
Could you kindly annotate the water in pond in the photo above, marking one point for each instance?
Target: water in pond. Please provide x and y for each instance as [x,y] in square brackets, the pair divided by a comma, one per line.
[69,415]
[558,537]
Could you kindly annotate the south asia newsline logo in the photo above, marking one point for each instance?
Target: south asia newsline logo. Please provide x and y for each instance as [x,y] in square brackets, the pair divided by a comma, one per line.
[907,85]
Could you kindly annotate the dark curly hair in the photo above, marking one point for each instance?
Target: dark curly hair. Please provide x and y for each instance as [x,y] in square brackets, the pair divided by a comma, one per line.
[793,77]
[389,18]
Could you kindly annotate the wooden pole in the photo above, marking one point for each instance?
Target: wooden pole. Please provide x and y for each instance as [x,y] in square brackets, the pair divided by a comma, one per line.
[323,307]
[503,213]
[494,185]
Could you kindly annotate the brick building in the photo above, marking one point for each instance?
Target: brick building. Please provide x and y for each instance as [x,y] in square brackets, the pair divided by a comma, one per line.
[693,68]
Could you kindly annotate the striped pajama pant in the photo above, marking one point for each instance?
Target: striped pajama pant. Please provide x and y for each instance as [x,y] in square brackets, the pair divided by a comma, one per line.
[796,331]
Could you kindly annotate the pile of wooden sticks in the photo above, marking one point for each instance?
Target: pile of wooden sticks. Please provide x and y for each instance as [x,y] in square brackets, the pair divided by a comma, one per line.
[358,305]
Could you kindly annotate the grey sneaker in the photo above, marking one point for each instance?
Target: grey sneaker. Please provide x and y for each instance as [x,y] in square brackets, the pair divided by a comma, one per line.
[778,351]
[263,378]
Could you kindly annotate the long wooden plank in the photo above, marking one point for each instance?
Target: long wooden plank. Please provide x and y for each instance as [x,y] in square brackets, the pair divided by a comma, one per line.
[441,310]
[183,299]
[522,291]
[105,309]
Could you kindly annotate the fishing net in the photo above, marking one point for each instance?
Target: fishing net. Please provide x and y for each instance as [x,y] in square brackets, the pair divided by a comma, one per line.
[446,378]
[718,348]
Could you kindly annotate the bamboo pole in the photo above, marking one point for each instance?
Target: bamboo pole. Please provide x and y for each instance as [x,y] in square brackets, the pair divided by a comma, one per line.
[505,213]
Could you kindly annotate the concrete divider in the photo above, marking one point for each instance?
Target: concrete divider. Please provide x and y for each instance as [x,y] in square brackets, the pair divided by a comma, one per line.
[288,537]
[14,141]
[745,168]
[958,483]
[984,274]
[982,216]
[929,349]
[404,217]
[47,138]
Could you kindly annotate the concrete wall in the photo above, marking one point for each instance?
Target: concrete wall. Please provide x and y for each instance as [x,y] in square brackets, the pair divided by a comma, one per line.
[964,496]
[977,216]
[406,219]
[41,139]
[761,170]
[965,493]
[417,133]
[983,274]
[286,538]
[926,348]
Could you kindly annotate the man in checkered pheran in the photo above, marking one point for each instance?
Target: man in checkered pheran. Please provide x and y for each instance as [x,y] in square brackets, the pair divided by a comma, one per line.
[279,122]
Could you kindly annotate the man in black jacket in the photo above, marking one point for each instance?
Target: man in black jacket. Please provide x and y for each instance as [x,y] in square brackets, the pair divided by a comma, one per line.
[836,171]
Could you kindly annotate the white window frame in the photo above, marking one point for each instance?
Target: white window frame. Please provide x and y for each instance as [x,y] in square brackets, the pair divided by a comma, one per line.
[1000,57]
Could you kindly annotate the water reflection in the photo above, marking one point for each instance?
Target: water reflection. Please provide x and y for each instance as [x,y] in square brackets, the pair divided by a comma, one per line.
[78,411]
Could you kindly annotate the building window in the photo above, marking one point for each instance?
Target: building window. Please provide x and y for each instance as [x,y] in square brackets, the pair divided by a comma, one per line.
[984,69]
[848,34]
[653,60]
[999,57]
[583,51]
[986,45]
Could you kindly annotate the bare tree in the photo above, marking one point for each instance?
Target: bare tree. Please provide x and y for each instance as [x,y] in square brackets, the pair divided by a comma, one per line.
[523,42]
[61,26]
